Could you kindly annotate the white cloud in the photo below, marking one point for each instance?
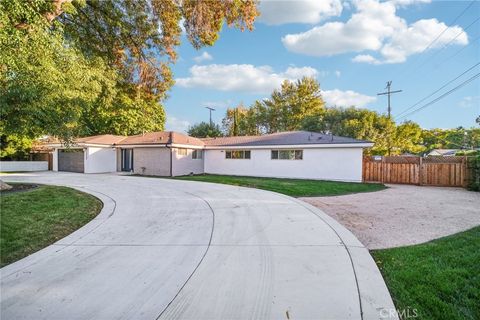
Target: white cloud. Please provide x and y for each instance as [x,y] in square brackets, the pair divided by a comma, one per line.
[218,104]
[365,58]
[404,3]
[469,101]
[373,27]
[346,98]
[275,12]
[417,37]
[205,56]
[242,77]
[175,124]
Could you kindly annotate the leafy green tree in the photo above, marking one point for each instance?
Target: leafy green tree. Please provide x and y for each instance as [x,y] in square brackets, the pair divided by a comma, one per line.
[205,130]
[15,147]
[287,107]
[45,85]
[408,138]
[283,111]
[241,121]
[76,67]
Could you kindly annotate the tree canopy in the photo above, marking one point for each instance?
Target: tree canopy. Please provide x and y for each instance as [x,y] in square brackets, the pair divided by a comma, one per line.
[283,111]
[205,130]
[299,106]
[76,67]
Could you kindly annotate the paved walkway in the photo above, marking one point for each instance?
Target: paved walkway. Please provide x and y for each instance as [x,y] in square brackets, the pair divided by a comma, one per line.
[403,215]
[167,249]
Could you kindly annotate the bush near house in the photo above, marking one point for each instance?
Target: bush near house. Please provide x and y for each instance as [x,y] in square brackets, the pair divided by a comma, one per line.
[473,168]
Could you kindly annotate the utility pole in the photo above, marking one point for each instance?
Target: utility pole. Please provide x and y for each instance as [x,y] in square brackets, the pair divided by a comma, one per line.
[389,92]
[210,109]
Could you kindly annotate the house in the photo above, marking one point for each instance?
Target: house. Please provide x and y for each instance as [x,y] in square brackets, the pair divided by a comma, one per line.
[294,154]
[443,152]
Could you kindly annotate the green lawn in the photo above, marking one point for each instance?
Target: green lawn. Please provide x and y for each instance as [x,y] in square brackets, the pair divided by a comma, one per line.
[440,279]
[291,187]
[31,220]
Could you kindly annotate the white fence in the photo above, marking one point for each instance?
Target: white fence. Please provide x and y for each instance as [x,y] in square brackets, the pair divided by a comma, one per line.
[12,166]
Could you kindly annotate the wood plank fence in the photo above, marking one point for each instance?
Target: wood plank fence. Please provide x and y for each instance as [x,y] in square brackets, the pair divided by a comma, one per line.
[430,171]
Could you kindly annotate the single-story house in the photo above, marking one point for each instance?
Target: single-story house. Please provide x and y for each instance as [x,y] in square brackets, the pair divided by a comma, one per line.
[443,152]
[294,154]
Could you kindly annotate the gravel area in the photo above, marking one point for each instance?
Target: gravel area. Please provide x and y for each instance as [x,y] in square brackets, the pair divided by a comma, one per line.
[403,214]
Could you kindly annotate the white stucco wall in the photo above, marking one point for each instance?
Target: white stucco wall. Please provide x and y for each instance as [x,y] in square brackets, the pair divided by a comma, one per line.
[100,160]
[55,160]
[341,164]
[12,166]
[184,164]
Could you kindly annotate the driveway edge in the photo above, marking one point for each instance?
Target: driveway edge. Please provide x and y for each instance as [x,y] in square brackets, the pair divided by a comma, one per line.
[108,209]
[375,299]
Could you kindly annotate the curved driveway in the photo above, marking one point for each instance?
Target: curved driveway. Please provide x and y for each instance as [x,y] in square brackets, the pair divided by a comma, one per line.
[169,249]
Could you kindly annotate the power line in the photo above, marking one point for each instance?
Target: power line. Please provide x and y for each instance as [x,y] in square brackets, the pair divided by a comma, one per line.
[449,42]
[442,96]
[448,27]
[431,94]
[441,33]
[434,54]
[458,52]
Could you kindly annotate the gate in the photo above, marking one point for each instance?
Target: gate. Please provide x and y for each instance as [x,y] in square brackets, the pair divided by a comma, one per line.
[431,171]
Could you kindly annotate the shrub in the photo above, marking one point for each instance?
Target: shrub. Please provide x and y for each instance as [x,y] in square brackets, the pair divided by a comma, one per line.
[473,173]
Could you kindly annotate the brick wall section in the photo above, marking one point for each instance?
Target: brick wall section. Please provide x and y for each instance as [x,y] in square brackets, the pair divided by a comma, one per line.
[151,161]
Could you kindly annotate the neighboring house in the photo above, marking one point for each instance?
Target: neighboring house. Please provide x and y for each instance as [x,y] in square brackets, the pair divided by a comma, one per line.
[443,152]
[295,154]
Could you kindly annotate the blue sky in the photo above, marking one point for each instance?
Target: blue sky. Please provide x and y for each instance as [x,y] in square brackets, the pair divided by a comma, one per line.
[351,47]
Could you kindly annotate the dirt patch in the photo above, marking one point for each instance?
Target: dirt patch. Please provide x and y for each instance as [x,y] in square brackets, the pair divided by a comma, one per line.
[19,187]
[403,215]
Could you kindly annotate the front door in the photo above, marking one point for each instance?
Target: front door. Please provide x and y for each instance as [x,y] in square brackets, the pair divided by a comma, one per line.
[127,160]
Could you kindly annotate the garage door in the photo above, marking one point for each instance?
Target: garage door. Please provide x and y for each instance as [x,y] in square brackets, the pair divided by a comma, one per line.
[70,160]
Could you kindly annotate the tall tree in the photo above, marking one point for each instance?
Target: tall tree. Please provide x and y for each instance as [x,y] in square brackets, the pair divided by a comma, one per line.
[100,65]
[205,130]
[241,121]
[45,84]
[283,111]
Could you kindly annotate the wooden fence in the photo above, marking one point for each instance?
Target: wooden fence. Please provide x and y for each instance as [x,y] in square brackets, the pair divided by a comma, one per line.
[430,171]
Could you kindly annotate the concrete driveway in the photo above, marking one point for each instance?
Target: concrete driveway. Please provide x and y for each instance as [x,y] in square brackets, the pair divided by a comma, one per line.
[167,249]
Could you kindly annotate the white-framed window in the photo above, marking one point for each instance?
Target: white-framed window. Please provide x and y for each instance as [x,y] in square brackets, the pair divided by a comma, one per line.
[197,154]
[182,152]
[287,155]
[237,154]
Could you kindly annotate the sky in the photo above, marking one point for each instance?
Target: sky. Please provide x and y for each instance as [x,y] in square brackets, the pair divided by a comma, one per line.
[426,48]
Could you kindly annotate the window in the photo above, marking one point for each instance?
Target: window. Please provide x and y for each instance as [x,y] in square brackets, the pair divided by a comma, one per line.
[197,154]
[287,154]
[237,154]
[182,152]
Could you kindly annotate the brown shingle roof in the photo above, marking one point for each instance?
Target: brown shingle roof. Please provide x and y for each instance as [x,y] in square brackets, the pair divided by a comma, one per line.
[161,137]
[101,139]
[170,137]
[281,138]
[107,139]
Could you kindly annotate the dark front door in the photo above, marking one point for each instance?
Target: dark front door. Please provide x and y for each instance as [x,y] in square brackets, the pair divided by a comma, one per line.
[127,160]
